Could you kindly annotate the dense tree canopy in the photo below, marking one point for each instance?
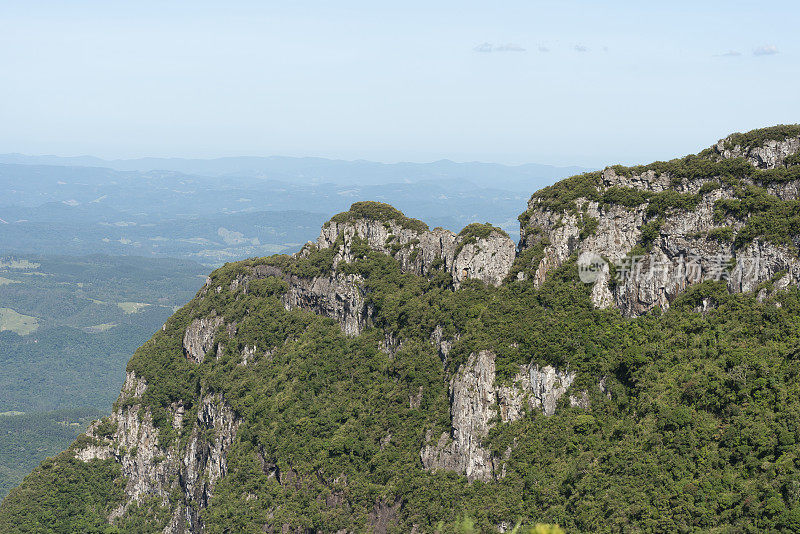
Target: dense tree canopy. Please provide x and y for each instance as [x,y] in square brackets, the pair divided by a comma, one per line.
[698,430]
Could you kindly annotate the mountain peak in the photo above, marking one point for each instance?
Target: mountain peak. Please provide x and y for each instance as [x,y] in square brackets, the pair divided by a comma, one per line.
[765,148]
[738,202]
[479,251]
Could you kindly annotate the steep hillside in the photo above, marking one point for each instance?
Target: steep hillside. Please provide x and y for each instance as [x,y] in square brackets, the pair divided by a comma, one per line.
[731,212]
[394,378]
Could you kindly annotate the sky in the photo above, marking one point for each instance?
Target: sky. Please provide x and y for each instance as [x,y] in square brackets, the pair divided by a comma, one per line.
[562,82]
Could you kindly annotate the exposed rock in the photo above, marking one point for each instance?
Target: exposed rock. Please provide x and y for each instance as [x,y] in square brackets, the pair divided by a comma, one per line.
[199,337]
[540,387]
[765,262]
[489,259]
[203,461]
[682,254]
[472,407]
[441,344]
[581,400]
[383,516]
[153,469]
[416,251]
[390,344]
[248,354]
[133,387]
[769,155]
[338,296]
[415,400]
[474,403]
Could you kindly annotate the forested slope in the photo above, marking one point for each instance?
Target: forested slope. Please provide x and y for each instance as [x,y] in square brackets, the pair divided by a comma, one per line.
[393,378]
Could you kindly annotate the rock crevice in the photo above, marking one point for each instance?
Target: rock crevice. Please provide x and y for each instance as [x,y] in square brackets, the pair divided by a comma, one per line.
[475,404]
[156,470]
[488,258]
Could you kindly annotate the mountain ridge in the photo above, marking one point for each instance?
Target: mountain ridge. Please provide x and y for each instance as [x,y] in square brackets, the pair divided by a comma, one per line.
[321,170]
[394,378]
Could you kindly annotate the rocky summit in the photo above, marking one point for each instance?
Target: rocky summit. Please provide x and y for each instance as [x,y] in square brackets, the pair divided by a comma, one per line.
[630,366]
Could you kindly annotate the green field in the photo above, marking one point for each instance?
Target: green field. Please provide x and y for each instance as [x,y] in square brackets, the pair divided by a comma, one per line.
[132,307]
[16,322]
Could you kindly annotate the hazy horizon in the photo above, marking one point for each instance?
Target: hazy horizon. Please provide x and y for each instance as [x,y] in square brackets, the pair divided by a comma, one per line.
[78,156]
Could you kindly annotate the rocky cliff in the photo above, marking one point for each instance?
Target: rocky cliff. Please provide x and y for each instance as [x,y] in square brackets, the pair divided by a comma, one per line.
[314,392]
[649,232]
[476,404]
[480,251]
[155,468]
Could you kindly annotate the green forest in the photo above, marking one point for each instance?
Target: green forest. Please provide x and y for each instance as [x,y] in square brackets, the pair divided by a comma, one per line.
[25,439]
[692,422]
[63,366]
[699,430]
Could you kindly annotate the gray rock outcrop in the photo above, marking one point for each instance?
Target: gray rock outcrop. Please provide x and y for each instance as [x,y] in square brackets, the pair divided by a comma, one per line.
[338,296]
[769,155]
[539,388]
[475,403]
[684,251]
[472,407]
[488,259]
[156,470]
[199,337]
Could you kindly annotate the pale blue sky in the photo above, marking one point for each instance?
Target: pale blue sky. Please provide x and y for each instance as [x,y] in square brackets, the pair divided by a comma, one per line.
[597,82]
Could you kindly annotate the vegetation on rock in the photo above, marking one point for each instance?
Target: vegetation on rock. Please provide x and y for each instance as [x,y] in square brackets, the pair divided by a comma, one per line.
[691,419]
[760,136]
[379,211]
[764,215]
[699,428]
[471,233]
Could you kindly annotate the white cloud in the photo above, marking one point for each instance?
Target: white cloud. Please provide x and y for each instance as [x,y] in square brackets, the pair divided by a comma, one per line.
[489,47]
[581,48]
[766,50]
[510,47]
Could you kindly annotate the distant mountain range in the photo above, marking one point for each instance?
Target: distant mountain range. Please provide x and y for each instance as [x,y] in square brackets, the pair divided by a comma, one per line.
[528,177]
[226,209]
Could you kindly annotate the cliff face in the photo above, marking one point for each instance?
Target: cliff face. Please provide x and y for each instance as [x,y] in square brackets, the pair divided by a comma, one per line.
[154,469]
[684,233]
[387,343]
[653,231]
[476,401]
[190,467]
[473,254]
[770,154]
